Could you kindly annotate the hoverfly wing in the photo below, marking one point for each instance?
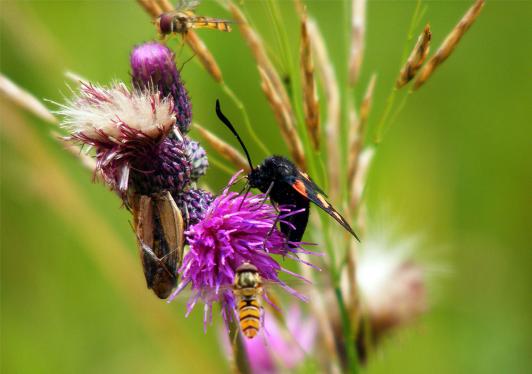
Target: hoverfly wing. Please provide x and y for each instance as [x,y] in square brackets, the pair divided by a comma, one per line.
[185,5]
[201,22]
[306,187]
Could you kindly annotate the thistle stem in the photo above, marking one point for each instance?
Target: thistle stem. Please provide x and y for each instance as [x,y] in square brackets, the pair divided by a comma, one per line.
[240,359]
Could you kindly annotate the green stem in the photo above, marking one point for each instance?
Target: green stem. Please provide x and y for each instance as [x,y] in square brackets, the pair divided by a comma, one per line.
[389,105]
[247,122]
[240,359]
[347,330]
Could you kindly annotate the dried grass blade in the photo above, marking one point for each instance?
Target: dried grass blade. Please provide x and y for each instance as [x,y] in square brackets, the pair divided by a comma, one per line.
[225,150]
[328,80]
[151,7]
[450,42]
[357,188]
[258,50]
[416,59]
[358,32]
[285,121]
[310,98]
[358,129]
[25,100]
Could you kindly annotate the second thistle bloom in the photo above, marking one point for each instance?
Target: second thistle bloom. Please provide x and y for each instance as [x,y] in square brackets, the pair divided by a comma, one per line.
[153,66]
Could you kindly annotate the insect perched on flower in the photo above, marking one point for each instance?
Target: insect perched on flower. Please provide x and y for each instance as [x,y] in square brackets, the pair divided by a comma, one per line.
[280,179]
[160,233]
[183,18]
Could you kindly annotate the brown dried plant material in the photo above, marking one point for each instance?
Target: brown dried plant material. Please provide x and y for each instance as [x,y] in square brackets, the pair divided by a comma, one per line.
[258,50]
[358,32]
[358,129]
[359,183]
[328,80]
[450,42]
[311,106]
[225,150]
[416,59]
[159,227]
[165,5]
[285,121]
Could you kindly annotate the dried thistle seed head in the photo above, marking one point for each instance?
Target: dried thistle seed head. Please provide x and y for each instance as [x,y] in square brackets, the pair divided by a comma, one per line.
[198,159]
[153,65]
[392,284]
[99,114]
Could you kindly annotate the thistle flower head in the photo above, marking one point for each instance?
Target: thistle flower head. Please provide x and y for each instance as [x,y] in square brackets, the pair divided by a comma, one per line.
[129,131]
[152,65]
[235,229]
[392,284]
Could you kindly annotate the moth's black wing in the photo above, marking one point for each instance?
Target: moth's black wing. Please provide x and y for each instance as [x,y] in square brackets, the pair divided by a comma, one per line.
[306,187]
[295,225]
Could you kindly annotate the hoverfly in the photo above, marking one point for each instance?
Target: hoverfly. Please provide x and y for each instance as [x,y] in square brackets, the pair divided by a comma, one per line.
[159,226]
[247,287]
[183,18]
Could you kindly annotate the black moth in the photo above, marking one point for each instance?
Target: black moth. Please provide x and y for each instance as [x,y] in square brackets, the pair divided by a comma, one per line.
[279,178]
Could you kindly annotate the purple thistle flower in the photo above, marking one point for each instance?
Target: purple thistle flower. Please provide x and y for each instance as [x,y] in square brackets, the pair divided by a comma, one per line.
[152,65]
[129,131]
[236,229]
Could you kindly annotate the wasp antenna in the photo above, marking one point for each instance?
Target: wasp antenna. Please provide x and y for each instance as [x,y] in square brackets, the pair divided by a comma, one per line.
[227,123]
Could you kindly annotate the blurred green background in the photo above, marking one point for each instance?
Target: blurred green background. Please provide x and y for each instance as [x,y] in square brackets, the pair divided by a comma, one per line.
[455,167]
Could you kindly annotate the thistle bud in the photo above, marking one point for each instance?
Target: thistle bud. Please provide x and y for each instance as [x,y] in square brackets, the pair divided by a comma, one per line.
[198,159]
[194,203]
[153,65]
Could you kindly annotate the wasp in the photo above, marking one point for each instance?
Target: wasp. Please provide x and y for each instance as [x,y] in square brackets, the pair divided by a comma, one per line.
[183,18]
[159,226]
[286,185]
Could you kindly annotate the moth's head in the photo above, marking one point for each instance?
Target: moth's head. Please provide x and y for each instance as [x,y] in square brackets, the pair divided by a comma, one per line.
[258,179]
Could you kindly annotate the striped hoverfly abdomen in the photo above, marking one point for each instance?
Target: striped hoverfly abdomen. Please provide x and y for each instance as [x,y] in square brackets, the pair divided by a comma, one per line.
[247,289]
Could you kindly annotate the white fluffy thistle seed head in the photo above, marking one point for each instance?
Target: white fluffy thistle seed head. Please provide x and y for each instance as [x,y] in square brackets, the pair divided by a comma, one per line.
[99,113]
[392,283]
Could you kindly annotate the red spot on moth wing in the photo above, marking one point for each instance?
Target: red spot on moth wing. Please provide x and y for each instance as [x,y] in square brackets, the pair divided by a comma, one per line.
[299,186]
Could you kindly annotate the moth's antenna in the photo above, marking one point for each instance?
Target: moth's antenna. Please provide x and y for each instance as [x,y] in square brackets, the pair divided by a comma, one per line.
[230,127]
